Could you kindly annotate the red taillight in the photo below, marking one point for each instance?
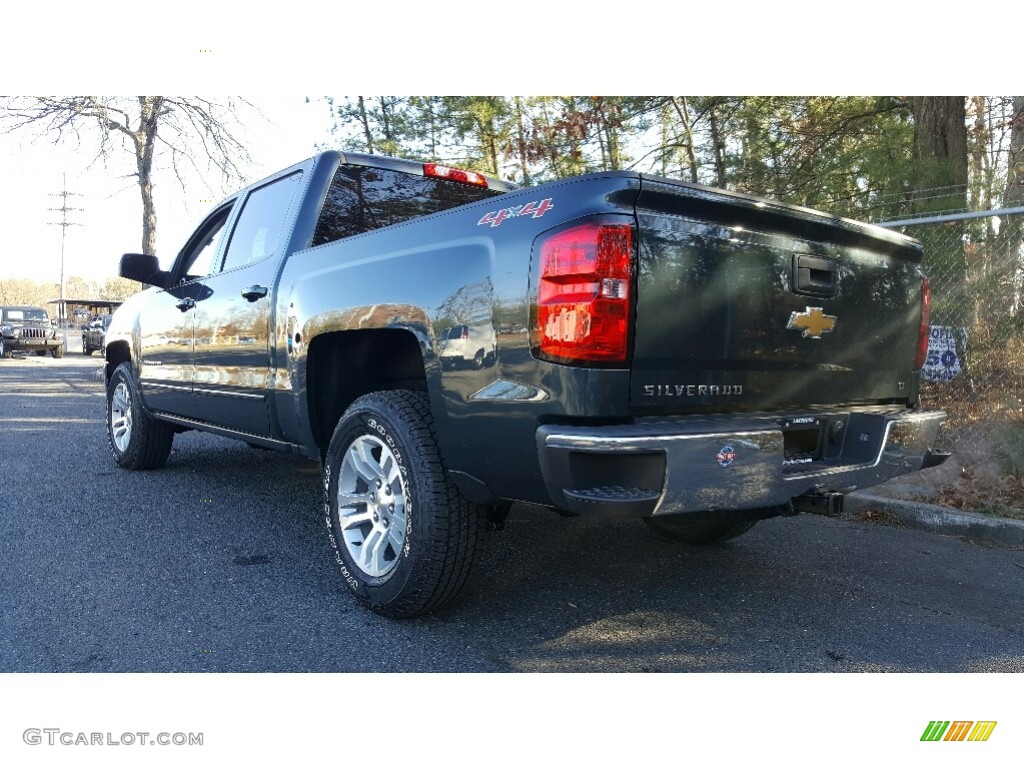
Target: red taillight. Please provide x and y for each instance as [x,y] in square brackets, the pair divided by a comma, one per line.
[454,174]
[583,287]
[925,331]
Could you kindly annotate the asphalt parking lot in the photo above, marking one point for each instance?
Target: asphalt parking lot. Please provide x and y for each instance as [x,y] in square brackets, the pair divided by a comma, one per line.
[219,562]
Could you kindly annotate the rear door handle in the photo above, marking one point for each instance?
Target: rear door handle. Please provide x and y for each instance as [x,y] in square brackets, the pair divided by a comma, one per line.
[254,292]
[186,304]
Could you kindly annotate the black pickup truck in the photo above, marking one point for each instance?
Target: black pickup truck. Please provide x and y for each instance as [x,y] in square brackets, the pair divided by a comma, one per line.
[446,344]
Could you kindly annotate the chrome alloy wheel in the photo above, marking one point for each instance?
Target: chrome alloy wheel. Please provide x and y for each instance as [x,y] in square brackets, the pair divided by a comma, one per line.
[371,506]
[121,417]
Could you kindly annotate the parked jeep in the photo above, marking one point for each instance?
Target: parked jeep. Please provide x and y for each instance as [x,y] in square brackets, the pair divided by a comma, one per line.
[29,329]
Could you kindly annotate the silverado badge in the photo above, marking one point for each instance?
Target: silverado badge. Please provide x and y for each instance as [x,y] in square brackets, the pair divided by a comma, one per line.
[813,322]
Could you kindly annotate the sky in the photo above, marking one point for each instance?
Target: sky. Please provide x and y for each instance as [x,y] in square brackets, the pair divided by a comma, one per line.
[285,130]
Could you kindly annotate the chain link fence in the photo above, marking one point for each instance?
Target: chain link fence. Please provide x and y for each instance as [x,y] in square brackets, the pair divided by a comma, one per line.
[975,365]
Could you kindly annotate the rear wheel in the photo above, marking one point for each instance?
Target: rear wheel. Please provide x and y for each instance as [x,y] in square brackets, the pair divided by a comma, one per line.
[40,353]
[136,440]
[404,538]
[698,531]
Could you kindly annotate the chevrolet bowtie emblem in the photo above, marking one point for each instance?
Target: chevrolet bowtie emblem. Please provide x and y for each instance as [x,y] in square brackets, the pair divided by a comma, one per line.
[813,322]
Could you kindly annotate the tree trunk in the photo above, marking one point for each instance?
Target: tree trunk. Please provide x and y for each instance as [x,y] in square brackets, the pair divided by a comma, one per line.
[385,118]
[716,146]
[684,116]
[145,144]
[1011,233]
[1013,195]
[523,165]
[365,120]
[940,153]
[940,185]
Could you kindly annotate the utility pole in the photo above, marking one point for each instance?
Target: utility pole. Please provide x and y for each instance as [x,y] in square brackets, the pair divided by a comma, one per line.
[64,210]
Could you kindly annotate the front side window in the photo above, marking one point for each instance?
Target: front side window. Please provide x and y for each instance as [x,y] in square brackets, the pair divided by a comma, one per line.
[196,261]
[362,198]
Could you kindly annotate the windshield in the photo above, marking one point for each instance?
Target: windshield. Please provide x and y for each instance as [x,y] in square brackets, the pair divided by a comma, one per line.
[25,314]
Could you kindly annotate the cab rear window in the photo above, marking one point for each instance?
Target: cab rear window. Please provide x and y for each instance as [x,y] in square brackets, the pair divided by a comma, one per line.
[363,198]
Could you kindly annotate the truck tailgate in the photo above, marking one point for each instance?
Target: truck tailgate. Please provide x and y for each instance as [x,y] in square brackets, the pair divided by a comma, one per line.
[747,304]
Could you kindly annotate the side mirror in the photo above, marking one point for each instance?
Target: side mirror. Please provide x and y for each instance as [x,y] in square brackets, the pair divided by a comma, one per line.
[143,268]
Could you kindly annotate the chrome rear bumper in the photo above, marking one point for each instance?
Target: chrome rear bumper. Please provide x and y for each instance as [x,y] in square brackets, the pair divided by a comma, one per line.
[728,462]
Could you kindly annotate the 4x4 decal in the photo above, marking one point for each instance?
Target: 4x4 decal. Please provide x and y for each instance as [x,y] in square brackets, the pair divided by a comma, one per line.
[536,209]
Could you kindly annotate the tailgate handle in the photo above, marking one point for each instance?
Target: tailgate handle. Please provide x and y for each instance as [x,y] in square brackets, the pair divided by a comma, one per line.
[815,276]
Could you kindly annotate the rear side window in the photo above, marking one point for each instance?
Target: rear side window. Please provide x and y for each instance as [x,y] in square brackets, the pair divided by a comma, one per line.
[260,224]
[363,198]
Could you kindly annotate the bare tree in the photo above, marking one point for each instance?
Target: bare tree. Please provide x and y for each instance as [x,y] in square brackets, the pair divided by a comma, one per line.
[185,127]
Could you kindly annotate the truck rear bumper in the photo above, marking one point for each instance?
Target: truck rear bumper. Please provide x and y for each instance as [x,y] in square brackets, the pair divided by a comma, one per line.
[730,462]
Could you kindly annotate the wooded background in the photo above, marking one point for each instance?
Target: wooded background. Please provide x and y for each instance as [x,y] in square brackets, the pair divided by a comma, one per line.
[867,157]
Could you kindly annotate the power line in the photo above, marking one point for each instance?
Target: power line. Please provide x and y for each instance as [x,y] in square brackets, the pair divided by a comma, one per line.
[64,210]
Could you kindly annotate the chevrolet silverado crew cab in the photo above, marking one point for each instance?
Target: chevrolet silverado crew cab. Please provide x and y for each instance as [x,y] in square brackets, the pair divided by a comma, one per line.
[444,344]
[29,329]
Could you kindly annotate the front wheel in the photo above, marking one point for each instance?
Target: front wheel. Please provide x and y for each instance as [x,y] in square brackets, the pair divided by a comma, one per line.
[136,440]
[404,538]
[57,351]
[698,531]
[4,351]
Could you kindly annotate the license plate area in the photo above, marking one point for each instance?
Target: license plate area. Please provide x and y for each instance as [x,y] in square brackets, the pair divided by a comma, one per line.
[801,441]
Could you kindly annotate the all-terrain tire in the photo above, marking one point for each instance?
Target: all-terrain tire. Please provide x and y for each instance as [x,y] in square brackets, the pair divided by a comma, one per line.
[136,440]
[404,538]
[698,531]
[5,353]
[57,352]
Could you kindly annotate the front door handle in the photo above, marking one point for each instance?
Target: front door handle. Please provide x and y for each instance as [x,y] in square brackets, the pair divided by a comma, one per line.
[254,292]
[186,304]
